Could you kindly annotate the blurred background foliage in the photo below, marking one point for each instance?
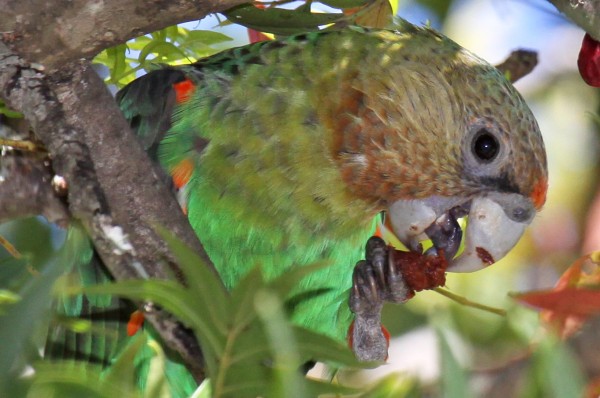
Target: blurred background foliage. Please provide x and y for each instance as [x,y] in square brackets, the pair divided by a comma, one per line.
[438,347]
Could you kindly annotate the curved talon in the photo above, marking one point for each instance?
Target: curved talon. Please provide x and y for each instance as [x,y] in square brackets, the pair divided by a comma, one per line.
[376,254]
[366,294]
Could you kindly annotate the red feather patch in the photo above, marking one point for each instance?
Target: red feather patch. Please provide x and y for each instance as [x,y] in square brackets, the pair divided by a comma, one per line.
[182,173]
[136,321]
[183,90]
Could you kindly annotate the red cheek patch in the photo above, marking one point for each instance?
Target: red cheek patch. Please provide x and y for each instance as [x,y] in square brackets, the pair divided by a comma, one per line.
[538,195]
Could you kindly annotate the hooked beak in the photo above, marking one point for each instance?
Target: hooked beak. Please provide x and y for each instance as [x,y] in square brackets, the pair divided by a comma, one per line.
[496,222]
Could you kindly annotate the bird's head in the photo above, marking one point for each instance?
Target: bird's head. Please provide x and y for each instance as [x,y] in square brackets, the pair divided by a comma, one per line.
[433,134]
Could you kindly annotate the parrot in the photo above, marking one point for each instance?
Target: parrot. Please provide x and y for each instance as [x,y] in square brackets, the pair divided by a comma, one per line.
[291,151]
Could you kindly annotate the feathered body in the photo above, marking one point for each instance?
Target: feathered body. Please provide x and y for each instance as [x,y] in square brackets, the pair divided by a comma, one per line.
[290,149]
[296,145]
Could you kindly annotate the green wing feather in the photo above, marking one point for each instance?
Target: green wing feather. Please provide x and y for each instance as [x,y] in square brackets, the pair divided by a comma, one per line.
[105,336]
[265,189]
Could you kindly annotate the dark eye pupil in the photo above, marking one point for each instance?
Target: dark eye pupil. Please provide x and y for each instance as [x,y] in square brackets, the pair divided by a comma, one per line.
[486,146]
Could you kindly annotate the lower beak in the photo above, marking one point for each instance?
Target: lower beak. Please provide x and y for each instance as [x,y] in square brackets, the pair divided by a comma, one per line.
[495,224]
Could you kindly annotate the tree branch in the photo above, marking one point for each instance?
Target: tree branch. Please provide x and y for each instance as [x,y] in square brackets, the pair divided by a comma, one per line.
[585,14]
[26,190]
[114,189]
[54,32]
[518,64]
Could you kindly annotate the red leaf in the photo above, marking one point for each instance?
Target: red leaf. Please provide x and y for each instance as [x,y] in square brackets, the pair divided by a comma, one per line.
[575,297]
[255,36]
[589,61]
[569,301]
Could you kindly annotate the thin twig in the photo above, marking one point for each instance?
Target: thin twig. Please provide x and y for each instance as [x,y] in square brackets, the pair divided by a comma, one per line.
[468,303]
[10,248]
[28,146]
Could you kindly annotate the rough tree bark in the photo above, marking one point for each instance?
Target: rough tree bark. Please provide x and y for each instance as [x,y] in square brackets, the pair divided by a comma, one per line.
[113,187]
[584,13]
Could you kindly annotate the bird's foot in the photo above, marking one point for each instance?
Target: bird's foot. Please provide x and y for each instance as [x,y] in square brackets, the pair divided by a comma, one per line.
[388,275]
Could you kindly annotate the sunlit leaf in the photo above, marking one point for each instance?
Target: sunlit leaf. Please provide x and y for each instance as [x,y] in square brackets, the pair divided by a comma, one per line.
[138,43]
[279,21]
[345,3]
[160,49]
[116,57]
[4,110]
[206,37]
[376,14]
[8,297]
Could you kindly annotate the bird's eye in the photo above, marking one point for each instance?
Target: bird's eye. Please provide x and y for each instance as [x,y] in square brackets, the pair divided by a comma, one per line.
[485,146]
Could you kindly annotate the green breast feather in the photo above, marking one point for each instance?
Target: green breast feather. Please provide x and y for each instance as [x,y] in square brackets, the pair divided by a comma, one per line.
[266,189]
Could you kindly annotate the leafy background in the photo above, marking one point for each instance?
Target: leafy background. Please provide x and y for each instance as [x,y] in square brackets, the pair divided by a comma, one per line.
[439,348]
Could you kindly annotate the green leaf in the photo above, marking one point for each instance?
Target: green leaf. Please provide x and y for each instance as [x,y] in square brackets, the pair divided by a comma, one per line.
[454,378]
[74,380]
[345,3]
[279,21]
[19,321]
[8,297]
[315,345]
[251,347]
[206,37]
[204,284]
[122,370]
[204,390]
[159,35]
[116,57]
[556,370]
[283,344]
[161,49]
[175,299]
[4,110]
[316,388]
[174,32]
[138,43]
[393,386]
[242,298]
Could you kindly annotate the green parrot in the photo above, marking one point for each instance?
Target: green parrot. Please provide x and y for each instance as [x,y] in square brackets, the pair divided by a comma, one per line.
[286,152]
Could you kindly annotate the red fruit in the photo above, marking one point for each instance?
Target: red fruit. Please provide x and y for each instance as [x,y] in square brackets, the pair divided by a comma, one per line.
[589,61]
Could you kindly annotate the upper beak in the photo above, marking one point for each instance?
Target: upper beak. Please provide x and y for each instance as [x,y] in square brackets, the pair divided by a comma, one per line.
[495,224]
